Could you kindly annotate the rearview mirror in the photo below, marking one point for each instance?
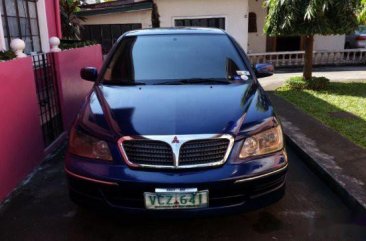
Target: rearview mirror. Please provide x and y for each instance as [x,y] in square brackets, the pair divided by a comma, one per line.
[263,70]
[89,73]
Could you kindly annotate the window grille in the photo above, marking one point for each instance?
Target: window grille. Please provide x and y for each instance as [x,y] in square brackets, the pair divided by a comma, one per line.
[201,22]
[20,20]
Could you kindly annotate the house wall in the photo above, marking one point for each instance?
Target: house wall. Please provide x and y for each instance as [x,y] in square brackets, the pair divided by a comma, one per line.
[2,39]
[141,16]
[329,43]
[53,18]
[236,14]
[43,24]
[21,143]
[257,41]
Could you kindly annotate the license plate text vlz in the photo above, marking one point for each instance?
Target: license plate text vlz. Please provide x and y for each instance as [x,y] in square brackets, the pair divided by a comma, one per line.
[176,200]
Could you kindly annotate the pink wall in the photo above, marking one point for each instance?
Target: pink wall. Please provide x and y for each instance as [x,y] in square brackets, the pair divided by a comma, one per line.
[73,89]
[21,143]
[53,18]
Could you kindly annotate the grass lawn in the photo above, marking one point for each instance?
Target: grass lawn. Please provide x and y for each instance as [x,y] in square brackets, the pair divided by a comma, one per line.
[342,107]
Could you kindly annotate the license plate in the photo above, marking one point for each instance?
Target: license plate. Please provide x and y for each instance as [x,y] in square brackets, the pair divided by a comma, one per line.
[176,199]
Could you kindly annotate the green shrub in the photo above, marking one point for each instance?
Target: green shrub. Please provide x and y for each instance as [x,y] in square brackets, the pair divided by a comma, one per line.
[72,44]
[318,83]
[296,83]
[299,83]
[7,55]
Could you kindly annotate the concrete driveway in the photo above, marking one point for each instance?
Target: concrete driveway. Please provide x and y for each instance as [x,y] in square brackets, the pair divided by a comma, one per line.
[41,211]
[336,74]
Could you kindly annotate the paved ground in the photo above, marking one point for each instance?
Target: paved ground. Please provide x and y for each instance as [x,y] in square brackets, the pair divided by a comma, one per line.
[41,211]
[342,74]
[340,161]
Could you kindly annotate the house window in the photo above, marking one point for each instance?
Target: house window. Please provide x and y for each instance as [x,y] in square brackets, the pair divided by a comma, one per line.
[20,20]
[252,23]
[201,22]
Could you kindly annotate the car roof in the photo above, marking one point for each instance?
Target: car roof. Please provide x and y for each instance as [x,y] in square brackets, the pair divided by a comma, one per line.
[168,31]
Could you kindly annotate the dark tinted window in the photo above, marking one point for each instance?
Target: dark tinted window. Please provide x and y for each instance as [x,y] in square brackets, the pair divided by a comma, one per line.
[201,22]
[362,29]
[252,23]
[154,59]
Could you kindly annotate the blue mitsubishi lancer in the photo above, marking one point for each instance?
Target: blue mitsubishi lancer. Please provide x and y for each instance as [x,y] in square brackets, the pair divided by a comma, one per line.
[175,124]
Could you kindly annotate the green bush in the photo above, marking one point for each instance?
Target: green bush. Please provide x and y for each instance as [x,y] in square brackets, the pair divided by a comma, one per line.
[296,83]
[299,83]
[318,83]
[7,55]
[72,44]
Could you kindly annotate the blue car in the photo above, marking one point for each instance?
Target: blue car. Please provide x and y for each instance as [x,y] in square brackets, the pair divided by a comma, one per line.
[177,124]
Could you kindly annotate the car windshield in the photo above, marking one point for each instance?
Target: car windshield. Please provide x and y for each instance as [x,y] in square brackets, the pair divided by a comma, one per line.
[173,59]
[362,29]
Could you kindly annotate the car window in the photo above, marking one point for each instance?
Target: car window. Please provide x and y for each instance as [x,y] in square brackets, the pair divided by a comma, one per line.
[362,29]
[154,59]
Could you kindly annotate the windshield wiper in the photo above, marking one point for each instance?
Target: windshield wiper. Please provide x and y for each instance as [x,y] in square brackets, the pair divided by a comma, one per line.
[121,83]
[196,81]
[133,83]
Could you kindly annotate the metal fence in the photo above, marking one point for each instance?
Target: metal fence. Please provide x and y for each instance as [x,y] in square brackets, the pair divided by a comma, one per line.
[296,58]
[48,97]
[106,34]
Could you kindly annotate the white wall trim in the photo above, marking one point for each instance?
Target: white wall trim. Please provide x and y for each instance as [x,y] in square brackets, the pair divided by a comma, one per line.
[2,38]
[43,26]
[199,17]
[142,17]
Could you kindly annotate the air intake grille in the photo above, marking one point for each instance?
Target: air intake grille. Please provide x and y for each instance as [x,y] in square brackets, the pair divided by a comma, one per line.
[205,151]
[148,152]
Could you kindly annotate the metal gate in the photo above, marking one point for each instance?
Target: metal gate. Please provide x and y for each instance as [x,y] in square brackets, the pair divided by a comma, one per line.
[106,34]
[48,97]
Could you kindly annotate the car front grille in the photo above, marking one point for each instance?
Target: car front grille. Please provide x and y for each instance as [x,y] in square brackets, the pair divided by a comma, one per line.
[199,152]
[148,152]
[161,151]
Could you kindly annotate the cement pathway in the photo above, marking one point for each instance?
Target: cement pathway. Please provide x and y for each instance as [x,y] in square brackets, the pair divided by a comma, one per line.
[336,74]
[335,158]
[41,211]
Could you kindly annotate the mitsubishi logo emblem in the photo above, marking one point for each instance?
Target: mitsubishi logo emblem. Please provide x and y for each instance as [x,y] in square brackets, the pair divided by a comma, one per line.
[175,140]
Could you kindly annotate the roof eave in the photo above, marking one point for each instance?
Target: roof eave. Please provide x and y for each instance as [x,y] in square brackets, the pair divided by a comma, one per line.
[117,9]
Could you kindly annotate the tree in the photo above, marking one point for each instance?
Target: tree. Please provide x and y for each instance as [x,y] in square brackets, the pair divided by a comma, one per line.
[70,21]
[362,13]
[309,17]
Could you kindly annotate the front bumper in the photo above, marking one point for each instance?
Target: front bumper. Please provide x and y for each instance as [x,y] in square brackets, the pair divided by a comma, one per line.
[231,187]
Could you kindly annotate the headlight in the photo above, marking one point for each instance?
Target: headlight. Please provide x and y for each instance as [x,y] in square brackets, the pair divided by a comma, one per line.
[263,143]
[87,146]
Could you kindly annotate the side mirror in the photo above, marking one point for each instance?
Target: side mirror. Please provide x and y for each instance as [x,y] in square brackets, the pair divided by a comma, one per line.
[263,70]
[89,73]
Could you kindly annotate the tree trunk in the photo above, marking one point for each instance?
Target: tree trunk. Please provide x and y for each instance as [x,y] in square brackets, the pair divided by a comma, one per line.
[308,65]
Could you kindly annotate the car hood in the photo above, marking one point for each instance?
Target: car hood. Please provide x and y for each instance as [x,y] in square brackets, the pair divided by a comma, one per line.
[172,110]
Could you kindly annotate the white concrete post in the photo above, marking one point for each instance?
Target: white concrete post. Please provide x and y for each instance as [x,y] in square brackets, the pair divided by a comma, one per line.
[2,38]
[43,25]
[18,46]
[55,42]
